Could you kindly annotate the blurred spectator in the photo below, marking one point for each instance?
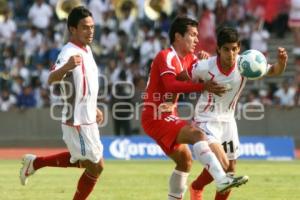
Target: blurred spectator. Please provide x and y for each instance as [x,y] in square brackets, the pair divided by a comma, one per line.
[220,11]
[264,98]
[193,10]
[26,99]
[7,100]
[40,14]
[213,4]
[297,87]
[252,97]
[127,20]
[235,12]
[9,57]
[32,40]
[110,20]
[98,8]
[17,85]
[259,38]
[207,36]
[8,29]
[140,85]
[294,24]
[149,48]
[108,41]
[19,69]
[121,104]
[280,24]
[244,29]
[41,74]
[285,96]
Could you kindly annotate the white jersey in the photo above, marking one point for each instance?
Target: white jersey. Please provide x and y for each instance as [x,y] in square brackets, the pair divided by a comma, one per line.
[211,107]
[79,88]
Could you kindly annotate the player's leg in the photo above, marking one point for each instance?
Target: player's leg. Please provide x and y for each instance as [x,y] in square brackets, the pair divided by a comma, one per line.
[197,186]
[31,163]
[191,135]
[177,183]
[230,143]
[230,171]
[225,133]
[88,179]
[89,150]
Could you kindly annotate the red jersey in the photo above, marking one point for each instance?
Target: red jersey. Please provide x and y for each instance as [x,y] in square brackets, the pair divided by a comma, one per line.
[162,85]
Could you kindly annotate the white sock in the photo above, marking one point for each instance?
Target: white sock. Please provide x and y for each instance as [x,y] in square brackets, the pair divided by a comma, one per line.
[177,185]
[206,157]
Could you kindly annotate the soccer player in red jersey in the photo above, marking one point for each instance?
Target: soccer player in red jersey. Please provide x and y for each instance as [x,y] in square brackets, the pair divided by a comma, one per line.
[160,119]
[77,73]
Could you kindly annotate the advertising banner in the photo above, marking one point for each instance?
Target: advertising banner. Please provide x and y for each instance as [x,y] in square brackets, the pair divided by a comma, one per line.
[143,147]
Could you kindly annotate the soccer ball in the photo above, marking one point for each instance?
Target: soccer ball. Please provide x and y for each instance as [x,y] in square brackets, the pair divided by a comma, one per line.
[252,64]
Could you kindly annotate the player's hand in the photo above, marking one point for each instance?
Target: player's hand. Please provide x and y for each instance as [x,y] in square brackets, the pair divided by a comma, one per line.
[215,88]
[99,116]
[73,62]
[282,56]
[202,55]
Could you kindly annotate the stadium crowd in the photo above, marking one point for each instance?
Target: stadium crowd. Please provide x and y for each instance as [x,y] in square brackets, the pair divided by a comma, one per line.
[31,35]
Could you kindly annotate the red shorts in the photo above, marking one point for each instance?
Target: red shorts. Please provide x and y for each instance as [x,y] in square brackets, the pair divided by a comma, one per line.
[163,130]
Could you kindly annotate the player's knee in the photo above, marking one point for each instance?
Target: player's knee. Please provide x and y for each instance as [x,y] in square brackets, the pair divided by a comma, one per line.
[198,135]
[95,168]
[185,163]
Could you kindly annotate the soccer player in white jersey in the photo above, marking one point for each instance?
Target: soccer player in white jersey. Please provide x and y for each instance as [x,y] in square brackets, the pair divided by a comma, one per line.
[77,72]
[215,114]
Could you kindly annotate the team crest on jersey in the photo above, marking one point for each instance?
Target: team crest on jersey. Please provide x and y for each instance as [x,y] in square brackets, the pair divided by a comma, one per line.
[58,61]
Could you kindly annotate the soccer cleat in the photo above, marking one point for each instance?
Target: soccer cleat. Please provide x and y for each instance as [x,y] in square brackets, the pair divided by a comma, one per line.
[27,168]
[231,182]
[195,194]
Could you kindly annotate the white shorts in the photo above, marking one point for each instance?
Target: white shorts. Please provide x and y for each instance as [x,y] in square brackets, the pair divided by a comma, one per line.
[224,133]
[83,142]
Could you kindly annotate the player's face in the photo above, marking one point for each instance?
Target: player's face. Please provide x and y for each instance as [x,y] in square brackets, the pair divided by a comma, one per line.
[228,53]
[189,40]
[84,32]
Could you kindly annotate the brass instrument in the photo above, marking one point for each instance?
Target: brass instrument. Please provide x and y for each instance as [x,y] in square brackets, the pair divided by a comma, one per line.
[3,9]
[153,8]
[64,7]
[125,7]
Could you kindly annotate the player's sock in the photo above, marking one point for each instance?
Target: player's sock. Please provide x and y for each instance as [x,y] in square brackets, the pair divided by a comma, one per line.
[222,196]
[202,180]
[205,156]
[57,160]
[177,185]
[85,186]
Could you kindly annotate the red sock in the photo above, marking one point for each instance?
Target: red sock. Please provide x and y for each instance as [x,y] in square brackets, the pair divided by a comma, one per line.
[85,186]
[202,180]
[224,196]
[57,160]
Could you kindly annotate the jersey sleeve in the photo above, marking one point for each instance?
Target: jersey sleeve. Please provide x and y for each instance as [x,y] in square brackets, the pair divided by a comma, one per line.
[165,64]
[199,70]
[61,60]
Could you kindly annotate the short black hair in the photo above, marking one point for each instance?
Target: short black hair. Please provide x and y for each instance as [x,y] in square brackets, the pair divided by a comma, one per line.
[227,35]
[76,15]
[180,25]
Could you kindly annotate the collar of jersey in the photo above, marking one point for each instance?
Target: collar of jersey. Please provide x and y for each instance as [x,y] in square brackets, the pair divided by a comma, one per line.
[79,45]
[221,68]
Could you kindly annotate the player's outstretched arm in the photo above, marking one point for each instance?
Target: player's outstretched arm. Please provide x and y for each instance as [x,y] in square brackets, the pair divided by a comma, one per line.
[58,75]
[279,67]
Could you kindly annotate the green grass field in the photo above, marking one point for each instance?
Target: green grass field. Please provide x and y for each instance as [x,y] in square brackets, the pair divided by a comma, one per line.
[147,180]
